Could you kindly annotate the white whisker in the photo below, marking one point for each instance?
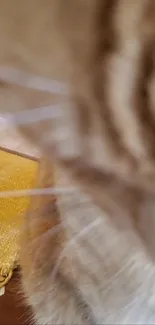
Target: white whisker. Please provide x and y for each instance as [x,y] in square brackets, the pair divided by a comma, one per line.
[34,115]
[21,78]
[38,191]
[82,233]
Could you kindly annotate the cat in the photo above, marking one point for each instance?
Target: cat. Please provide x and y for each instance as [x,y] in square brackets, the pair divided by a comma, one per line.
[88,258]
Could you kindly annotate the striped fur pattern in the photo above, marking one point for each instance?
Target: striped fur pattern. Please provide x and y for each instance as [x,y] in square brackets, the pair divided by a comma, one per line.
[93,262]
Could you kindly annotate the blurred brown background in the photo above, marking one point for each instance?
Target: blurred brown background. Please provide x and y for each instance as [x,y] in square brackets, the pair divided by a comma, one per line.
[13,310]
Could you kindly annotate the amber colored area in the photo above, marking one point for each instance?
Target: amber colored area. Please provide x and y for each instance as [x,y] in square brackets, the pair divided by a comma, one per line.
[16,173]
[13,310]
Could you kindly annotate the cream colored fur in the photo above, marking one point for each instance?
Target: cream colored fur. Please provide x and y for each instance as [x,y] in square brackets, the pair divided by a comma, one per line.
[90,264]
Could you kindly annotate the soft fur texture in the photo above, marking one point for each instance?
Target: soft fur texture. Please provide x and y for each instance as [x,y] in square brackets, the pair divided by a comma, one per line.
[94,264]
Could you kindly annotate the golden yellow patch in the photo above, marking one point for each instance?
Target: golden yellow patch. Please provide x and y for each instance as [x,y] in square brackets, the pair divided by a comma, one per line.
[16,173]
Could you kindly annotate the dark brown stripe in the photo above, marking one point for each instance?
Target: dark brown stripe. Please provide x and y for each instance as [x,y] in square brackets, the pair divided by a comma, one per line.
[93,101]
[142,103]
[83,123]
[106,41]
[108,191]
[106,44]
[142,100]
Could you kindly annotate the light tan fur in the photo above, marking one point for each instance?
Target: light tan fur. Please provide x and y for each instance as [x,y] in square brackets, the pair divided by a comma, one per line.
[87,259]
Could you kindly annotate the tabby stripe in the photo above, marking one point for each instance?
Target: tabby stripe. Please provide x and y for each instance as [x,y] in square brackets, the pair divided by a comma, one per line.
[82,52]
[122,75]
[83,124]
[151,85]
[147,105]
[105,44]
[94,181]
[149,30]
[143,102]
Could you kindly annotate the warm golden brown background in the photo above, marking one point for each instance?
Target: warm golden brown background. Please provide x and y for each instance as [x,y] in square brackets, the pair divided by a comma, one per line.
[13,310]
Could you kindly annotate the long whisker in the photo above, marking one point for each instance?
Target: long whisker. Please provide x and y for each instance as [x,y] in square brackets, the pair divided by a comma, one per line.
[33,116]
[55,230]
[38,191]
[20,78]
[82,233]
